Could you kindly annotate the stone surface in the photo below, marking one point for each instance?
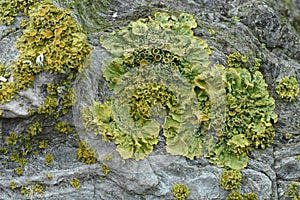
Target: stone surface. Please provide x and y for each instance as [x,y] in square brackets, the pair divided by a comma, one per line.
[259,28]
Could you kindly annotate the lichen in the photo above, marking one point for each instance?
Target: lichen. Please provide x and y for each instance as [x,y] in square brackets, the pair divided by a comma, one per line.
[292,191]
[86,154]
[105,168]
[63,127]
[235,195]
[249,120]
[52,42]
[75,183]
[180,191]
[161,80]
[230,179]
[9,9]
[49,159]
[287,88]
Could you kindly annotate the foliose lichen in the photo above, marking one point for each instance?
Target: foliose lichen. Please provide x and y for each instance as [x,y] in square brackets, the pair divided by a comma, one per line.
[230,179]
[180,191]
[85,153]
[287,88]
[236,195]
[292,191]
[190,97]
[75,183]
[9,9]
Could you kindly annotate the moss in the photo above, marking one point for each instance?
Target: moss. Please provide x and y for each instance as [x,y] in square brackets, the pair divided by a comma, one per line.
[230,179]
[86,154]
[180,191]
[63,127]
[287,88]
[49,159]
[75,183]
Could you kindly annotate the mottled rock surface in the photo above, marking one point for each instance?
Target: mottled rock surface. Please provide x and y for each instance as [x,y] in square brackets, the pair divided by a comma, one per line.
[266,29]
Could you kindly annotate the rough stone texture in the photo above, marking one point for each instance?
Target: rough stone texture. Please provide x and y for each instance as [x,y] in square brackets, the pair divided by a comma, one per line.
[261,29]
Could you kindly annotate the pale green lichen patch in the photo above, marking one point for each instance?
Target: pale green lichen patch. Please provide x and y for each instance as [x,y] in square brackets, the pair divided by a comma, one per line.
[236,195]
[161,80]
[249,120]
[287,88]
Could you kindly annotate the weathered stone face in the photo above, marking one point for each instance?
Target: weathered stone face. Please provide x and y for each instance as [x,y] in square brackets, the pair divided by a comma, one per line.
[256,29]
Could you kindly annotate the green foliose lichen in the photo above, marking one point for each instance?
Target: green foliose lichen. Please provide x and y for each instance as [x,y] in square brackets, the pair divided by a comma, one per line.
[230,179]
[287,88]
[63,127]
[180,191]
[9,9]
[160,70]
[86,154]
[75,183]
[52,42]
[292,191]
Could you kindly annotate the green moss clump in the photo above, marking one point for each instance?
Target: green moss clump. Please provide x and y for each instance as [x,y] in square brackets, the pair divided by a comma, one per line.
[180,191]
[75,183]
[230,179]
[63,127]
[287,88]
[86,154]
[9,9]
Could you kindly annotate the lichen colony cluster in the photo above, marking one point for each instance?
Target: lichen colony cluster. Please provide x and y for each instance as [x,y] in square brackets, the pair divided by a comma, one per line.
[162,81]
